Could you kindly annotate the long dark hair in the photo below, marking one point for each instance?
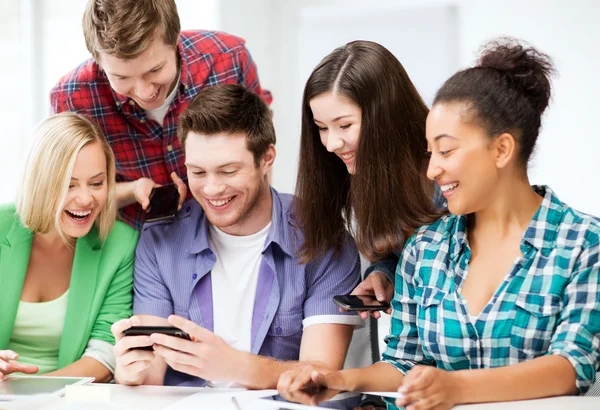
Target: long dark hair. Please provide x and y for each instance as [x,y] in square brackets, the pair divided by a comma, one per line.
[389,194]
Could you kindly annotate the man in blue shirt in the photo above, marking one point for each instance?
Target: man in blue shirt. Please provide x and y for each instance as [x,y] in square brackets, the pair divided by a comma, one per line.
[225,269]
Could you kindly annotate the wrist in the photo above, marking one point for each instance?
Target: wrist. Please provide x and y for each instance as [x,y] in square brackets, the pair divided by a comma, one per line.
[461,386]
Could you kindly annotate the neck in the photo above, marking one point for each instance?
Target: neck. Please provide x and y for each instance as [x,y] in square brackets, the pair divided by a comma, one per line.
[52,240]
[509,210]
[258,216]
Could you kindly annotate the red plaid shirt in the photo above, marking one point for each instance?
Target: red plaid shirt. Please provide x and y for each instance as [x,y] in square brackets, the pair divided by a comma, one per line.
[143,147]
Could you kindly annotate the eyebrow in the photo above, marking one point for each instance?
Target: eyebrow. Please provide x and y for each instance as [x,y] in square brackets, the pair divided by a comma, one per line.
[439,137]
[236,163]
[95,176]
[335,119]
[153,68]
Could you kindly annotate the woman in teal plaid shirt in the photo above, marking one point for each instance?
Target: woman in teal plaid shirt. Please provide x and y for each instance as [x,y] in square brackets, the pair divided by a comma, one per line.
[499,300]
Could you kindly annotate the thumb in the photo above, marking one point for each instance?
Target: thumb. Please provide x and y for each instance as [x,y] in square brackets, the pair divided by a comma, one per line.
[378,287]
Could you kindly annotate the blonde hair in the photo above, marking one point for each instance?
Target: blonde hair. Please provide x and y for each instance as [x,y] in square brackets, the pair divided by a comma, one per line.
[125,28]
[46,177]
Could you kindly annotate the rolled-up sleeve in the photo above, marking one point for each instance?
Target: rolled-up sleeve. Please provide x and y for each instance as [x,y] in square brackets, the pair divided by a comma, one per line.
[577,336]
[151,296]
[331,275]
[404,349]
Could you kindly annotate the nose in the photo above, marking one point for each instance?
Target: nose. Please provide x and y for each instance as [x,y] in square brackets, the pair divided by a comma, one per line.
[333,142]
[84,197]
[144,89]
[213,187]
[433,169]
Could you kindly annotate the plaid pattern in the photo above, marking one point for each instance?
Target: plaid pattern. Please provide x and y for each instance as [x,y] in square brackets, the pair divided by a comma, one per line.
[143,147]
[548,304]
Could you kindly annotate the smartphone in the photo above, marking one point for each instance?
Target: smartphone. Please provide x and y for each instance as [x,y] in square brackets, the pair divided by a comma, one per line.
[359,302]
[164,201]
[148,330]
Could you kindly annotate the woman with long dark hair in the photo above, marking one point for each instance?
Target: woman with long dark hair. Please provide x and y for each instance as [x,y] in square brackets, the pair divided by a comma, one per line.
[363,159]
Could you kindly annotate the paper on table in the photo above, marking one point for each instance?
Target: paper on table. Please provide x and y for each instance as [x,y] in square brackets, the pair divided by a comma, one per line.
[218,399]
[392,394]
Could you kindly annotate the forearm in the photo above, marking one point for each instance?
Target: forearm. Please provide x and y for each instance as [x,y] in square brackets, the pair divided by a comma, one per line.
[85,367]
[541,377]
[125,193]
[380,376]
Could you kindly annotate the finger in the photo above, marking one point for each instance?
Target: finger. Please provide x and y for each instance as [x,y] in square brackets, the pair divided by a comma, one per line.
[22,367]
[173,342]
[8,355]
[177,357]
[197,333]
[388,311]
[302,381]
[426,403]
[300,396]
[131,343]
[375,314]
[286,379]
[423,379]
[377,279]
[119,327]
[363,288]
[183,368]
[137,367]
[181,188]
[364,315]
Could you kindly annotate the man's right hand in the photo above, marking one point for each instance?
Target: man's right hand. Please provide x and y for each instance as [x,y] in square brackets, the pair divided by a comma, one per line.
[133,365]
[8,364]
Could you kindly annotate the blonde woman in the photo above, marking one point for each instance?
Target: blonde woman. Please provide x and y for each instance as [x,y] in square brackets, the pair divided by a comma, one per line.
[65,264]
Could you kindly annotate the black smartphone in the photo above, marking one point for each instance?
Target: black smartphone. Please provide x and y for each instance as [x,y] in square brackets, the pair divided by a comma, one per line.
[148,330]
[359,302]
[164,201]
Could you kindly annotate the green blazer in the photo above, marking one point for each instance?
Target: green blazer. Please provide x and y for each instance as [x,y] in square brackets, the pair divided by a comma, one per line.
[100,291]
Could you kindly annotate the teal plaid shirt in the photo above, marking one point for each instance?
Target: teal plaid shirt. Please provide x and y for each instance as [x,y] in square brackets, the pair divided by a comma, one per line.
[548,304]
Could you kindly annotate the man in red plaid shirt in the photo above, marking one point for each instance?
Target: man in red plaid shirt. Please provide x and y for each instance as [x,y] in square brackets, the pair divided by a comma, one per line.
[143,74]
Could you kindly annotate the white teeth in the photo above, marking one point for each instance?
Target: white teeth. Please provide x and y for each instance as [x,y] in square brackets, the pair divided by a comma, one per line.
[81,214]
[347,156]
[448,187]
[220,202]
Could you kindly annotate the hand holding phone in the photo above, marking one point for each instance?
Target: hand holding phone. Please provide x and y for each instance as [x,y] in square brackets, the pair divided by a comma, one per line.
[148,330]
[358,303]
[164,201]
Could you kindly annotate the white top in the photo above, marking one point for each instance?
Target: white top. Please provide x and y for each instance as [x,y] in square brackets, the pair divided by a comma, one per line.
[234,279]
[158,114]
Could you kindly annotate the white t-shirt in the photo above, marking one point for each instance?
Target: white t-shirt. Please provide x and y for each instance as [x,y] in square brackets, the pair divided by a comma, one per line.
[234,279]
[158,114]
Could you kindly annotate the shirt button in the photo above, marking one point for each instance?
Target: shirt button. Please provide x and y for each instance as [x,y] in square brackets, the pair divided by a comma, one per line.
[278,330]
[143,120]
[118,103]
[188,208]
[131,102]
[194,276]
[169,148]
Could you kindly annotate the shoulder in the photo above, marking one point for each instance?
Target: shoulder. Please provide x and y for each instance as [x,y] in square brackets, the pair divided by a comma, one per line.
[8,216]
[578,229]
[434,233]
[77,84]
[121,232]
[210,42]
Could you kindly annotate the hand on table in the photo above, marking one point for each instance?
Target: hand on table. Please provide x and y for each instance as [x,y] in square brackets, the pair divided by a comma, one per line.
[9,364]
[429,388]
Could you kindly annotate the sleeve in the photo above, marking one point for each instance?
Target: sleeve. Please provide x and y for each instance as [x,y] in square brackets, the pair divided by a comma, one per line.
[58,100]
[102,352]
[577,336]
[118,299]
[151,296]
[386,266]
[329,276]
[248,76]
[404,349]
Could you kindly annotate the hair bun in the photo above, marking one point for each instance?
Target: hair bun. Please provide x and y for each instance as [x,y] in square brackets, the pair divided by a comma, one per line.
[526,67]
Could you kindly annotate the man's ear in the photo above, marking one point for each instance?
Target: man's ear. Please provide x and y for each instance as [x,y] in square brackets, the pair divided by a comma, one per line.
[505,149]
[267,159]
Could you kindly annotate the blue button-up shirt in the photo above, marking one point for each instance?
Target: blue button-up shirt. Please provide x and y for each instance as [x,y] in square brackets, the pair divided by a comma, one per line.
[549,302]
[172,276]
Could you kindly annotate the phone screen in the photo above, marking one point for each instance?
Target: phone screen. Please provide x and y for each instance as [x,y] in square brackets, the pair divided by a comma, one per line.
[164,202]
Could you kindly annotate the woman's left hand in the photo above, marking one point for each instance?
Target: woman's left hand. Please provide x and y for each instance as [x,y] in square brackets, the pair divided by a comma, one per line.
[427,387]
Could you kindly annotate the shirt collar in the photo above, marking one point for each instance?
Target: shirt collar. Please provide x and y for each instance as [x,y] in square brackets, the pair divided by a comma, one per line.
[281,231]
[540,234]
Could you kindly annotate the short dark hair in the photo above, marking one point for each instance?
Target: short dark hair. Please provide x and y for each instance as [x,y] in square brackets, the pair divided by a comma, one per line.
[508,90]
[229,109]
[389,196]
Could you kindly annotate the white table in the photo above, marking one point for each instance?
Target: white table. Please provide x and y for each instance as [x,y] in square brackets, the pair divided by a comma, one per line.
[160,397]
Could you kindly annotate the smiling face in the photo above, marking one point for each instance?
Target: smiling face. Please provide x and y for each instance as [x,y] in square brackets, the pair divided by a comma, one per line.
[225,180]
[338,119]
[88,191]
[464,159]
[147,79]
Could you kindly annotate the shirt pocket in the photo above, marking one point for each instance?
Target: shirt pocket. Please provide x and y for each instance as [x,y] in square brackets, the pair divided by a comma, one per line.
[430,317]
[286,324]
[535,320]
[284,336]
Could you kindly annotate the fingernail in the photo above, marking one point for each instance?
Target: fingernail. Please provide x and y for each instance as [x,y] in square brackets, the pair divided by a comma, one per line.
[14,356]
